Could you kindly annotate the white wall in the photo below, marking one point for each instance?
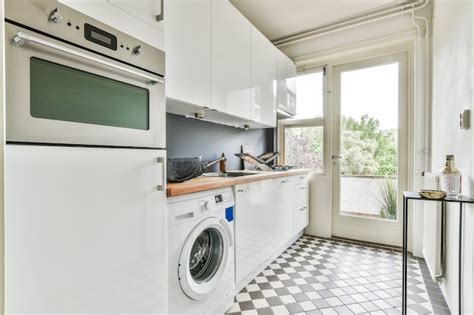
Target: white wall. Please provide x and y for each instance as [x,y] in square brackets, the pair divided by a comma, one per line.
[453,92]
[2,146]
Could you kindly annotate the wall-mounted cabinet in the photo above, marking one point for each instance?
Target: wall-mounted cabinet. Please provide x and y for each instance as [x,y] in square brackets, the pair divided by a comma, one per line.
[140,19]
[231,60]
[263,79]
[188,51]
[219,65]
[286,84]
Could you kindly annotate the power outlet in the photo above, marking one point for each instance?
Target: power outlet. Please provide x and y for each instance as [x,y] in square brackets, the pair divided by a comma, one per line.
[465,119]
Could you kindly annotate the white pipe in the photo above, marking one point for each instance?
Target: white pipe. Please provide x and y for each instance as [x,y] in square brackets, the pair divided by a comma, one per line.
[427,145]
[361,20]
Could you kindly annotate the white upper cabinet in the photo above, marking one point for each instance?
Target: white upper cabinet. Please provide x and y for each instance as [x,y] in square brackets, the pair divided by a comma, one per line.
[148,11]
[263,79]
[231,60]
[188,51]
[286,84]
[216,59]
[138,18]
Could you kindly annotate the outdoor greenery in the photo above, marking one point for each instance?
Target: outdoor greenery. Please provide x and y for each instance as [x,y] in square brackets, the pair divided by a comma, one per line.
[304,147]
[387,200]
[366,149]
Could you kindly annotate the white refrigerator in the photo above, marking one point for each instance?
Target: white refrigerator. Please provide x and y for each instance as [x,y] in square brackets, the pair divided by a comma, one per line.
[85,230]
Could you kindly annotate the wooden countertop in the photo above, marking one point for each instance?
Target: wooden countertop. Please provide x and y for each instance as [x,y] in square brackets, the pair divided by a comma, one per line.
[202,183]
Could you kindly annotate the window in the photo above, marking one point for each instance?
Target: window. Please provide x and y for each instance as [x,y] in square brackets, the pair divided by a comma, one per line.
[309,95]
[304,147]
[301,138]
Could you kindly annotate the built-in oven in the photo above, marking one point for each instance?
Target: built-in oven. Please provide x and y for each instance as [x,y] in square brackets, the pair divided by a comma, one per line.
[73,80]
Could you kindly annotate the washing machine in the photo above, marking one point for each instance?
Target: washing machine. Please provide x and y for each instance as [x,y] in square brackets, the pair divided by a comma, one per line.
[201,262]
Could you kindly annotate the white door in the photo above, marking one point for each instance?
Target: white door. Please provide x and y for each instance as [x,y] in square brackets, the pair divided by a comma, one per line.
[85,230]
[370,133]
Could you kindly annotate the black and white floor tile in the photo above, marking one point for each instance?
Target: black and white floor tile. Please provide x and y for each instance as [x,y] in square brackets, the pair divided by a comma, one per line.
[329,276]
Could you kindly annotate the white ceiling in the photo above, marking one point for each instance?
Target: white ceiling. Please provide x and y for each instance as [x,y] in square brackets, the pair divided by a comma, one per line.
[279,18]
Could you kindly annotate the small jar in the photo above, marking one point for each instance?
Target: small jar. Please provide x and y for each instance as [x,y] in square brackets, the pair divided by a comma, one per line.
[450,178]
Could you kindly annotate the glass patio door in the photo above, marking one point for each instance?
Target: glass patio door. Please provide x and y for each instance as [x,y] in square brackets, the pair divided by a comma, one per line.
[369,157]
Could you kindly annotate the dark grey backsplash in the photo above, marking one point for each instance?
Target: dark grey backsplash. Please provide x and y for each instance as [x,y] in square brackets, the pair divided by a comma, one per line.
[186,137]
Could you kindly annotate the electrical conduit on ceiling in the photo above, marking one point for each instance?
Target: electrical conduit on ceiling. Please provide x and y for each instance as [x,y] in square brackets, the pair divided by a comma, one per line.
[351,22]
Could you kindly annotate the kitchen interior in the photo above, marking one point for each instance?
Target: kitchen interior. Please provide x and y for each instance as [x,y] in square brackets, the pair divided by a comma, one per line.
[237,157]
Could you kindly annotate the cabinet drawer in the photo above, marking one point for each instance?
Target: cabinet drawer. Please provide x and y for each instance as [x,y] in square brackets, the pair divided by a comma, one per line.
[301,217]
[301,179]
[302,194]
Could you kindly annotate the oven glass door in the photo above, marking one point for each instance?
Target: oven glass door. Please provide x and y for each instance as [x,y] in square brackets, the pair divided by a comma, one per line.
[58,97]
[63,93]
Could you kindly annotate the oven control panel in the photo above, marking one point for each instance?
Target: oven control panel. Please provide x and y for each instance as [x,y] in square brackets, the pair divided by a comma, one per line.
[60,22]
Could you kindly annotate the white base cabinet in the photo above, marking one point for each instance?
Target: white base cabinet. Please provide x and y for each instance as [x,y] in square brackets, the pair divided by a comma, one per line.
[254,229]
[267,216]
[301,204]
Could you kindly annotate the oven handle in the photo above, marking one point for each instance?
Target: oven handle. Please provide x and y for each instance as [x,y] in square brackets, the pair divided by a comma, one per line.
[20,38]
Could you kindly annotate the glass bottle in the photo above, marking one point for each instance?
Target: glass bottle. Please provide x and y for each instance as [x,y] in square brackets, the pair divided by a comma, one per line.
[450,178]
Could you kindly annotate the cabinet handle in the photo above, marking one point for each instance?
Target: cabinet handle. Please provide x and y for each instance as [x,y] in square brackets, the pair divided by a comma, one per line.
[303,208]
[303,188]
[283,181]
[246,190]
[161,16]
[161,160]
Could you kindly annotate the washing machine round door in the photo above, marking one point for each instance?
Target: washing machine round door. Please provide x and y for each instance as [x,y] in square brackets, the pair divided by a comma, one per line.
[204,258]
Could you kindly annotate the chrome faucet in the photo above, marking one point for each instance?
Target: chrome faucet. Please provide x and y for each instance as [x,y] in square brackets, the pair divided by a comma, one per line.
[222,164]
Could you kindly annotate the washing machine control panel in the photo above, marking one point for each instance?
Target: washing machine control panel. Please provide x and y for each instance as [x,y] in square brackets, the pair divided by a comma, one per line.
[219,198]
[209,202]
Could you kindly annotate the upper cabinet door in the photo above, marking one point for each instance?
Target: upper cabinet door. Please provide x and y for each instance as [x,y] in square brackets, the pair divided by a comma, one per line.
[129,16]
[148,11]
[188,51]
[231,59]
[263,79]
[286,84]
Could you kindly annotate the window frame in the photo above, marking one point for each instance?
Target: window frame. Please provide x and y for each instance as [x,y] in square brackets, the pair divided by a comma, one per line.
[283,124]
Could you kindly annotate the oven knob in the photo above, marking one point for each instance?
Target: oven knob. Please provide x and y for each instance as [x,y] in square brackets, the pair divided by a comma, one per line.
[54,16]
[137,50]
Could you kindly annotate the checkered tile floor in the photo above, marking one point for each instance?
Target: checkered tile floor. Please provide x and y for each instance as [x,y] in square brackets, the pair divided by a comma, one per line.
[327,276]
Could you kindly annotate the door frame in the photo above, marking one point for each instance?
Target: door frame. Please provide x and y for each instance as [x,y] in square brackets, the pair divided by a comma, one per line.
[369,229]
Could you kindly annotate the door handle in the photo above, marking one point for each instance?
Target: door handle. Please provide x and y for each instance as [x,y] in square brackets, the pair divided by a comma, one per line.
[21,38]
[336,157]
[161,160]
